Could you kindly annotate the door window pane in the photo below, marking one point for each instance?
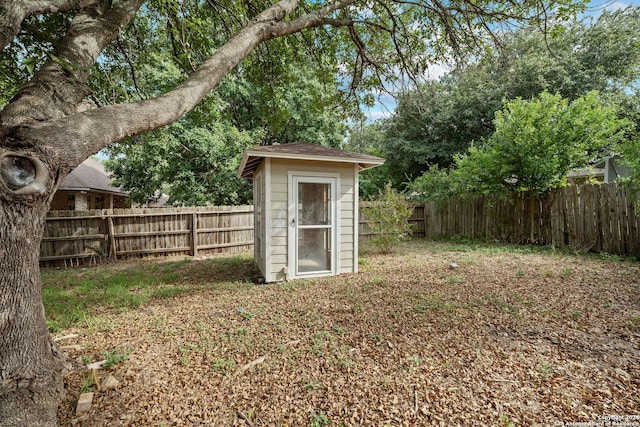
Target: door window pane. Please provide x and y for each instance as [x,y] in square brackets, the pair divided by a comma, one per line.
[314,203]
[314,249]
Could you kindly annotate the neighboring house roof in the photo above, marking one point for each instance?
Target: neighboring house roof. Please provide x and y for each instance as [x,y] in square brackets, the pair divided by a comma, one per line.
[586,172]
[90,175]
[252,157]
[161,201]
[608,169]
[602,163]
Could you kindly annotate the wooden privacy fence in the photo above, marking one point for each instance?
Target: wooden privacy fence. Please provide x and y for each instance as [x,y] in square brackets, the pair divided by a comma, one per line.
[75,237]
[599,218]
[85,237]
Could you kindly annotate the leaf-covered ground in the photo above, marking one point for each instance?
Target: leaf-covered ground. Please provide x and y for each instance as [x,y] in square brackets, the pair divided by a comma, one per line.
[513,336]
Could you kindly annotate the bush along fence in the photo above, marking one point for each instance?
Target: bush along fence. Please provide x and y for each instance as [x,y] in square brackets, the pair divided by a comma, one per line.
[599,218]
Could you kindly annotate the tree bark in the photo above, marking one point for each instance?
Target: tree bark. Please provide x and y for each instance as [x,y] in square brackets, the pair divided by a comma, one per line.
[50,119]
[31,367]
[44,124]
[13,12]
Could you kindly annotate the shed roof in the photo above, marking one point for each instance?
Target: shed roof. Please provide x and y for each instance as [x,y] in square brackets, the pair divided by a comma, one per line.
[90,175]
[252,157]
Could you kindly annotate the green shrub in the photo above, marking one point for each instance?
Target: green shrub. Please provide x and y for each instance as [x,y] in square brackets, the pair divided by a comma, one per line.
[388,219]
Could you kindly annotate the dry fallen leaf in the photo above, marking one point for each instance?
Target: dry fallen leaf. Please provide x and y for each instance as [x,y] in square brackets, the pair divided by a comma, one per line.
[401,343]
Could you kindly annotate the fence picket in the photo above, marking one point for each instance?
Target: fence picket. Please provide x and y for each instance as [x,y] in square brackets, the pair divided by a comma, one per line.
[596,217]
[592,217]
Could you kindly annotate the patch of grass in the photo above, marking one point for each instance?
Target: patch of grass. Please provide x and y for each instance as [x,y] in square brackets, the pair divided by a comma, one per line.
[324,345]
[469,259]
[320,341]
[319,419]
[247,315]
[545,369]
[549,312]
[433,302]
[97,323]
[378,281]
[506,421]
[64,317]
[116,356]
[172,277]
[565,273]
[233,261]
[633,322]
[186,349]
[420,308]
[502,305]
[169,292]
[376,337]
[88,381]
[413,362]
[340,330]
[341,356]
[287,286]
[222,366]
[237,335]
[75,295]
[177,264]
[456,278]
[610,257]
[356,308]
[468,245]
[310,384]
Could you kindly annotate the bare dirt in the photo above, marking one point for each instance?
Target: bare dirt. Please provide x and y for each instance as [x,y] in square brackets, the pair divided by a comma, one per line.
[507,338]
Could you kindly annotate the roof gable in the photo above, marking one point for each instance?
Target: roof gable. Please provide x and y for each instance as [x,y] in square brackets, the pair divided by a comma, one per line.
[252,157]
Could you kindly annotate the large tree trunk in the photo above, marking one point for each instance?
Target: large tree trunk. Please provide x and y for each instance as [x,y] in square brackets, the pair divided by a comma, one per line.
[46,131]
[31,367]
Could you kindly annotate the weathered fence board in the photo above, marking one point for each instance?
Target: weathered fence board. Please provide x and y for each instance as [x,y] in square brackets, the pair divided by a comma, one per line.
[601,218]
[74,237]
[593,217]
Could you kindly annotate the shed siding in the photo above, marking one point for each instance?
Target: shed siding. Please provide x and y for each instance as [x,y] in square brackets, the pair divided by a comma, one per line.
[259,219]
[279,211]
[347,254]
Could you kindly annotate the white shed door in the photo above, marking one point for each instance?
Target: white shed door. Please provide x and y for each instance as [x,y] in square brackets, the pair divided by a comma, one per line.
[312,237]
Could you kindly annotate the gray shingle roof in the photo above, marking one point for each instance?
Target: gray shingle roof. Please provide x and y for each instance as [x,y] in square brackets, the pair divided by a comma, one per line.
[90,175]
[252,157]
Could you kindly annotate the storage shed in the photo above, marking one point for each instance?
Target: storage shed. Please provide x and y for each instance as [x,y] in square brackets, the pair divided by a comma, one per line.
[305,209]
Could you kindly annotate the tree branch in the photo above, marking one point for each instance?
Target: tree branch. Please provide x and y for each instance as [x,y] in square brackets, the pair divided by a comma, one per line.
[85,133]
[132,69]
[82,133]
[62,81]
[313,19]
[13,12]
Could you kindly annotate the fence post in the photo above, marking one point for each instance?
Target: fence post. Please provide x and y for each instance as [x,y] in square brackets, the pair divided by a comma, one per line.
[112,238]
[424,218]
[194,234]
